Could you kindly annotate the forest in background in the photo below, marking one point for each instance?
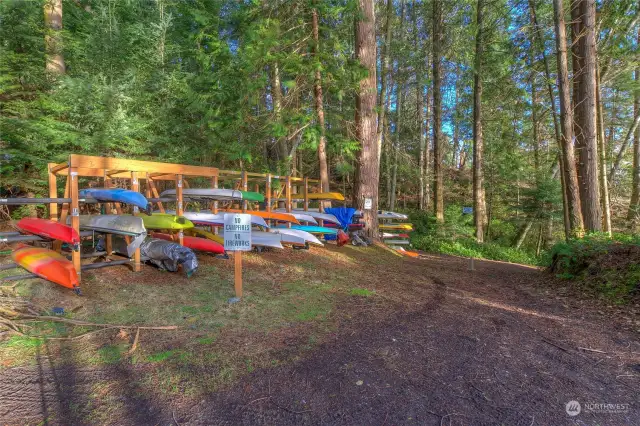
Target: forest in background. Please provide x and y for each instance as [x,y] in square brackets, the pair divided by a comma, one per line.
[475,104]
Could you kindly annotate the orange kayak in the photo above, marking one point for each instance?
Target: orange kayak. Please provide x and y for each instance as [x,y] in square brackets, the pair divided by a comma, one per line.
[282,217]
[47,264]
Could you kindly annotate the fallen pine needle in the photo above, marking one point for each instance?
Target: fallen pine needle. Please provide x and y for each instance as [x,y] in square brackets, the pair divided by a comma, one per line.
[592,350]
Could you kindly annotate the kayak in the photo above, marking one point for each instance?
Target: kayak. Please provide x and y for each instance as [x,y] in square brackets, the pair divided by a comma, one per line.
[117,195]
[303,217]
[258,238]
[262,236]
[352,226]
[382,214]
[49,229]
[396,226]
[194,243]
[282,217]
[397,242]
[47,264]
[207,218]
[205,234]
[130,226]
[390,235]
[166,221]
[314,229]
[219,194]
[113,224]
[306,236]
[317,196]
[316,215]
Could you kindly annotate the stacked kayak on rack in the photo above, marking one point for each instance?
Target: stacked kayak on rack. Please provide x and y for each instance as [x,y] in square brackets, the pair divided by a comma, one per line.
[394,231]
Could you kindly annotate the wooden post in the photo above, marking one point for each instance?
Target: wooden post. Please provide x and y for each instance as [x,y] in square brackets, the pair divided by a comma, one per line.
[57,244]
[244,188]
[306,194]
[268,191]
[179,206]
[75,215]
[320,205]
[135,186]
[53,193]
[288,193]
[237,260]
[214,184]
[155,193]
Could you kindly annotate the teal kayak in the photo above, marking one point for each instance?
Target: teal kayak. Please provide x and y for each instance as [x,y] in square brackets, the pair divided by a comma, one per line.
[313,229]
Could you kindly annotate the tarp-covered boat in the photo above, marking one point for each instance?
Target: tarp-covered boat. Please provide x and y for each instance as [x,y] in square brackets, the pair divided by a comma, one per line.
[117,195]
[169,255]
[47,264]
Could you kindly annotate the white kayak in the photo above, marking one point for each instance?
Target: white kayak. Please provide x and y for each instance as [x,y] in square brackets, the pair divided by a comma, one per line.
[130,226]
[205,216]
[382,214]
[264,239]
[314,214]
[301,217]
[220,194]
[306,236]
[397,242]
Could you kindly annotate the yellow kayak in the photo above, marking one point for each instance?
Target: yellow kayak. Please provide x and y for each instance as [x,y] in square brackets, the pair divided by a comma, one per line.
[396,226]
[198,232]
[166,221]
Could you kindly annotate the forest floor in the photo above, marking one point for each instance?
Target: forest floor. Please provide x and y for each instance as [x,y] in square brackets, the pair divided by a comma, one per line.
[355,336]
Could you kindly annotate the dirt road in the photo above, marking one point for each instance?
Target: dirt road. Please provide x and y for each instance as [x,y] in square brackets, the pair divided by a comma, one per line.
[448,346]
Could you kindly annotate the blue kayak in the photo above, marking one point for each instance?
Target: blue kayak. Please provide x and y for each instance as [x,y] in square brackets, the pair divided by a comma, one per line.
[313,229]
[117,195]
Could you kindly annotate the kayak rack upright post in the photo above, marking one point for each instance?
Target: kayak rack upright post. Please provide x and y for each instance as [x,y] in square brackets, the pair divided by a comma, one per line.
[53,192]
[288,196]
[135,186]
[306,194]
[244,188]
[75,215]
[179,206]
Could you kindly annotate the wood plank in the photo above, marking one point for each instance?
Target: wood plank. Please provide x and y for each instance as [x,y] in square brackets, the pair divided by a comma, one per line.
[155,193]
[179,206]
[135,186]
[111,163]
[237,260]
[53,193]
[75,216]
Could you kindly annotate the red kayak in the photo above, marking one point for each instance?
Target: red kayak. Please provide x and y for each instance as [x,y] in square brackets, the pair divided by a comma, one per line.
[49,229]
[47,264]
[195,243]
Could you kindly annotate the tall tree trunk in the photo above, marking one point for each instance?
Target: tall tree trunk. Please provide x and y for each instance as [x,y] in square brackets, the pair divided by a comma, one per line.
[438,36]
[400,88]
[276,99]
[602,172]
[427,148]
[523,234]
[395,147]
[556,124]
[366,118]
[623,147]
[387,158]
[53,37]
[586,117]
[317,89]
[566,120]
[420,120]
[479,205]
[456,122]
[634,207]
[385,60]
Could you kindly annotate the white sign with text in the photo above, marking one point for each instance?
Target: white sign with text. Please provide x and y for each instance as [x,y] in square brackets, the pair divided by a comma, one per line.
[237,232]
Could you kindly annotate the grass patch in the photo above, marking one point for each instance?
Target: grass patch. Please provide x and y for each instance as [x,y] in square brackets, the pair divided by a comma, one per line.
[362,292]
[161,356]
[111,354]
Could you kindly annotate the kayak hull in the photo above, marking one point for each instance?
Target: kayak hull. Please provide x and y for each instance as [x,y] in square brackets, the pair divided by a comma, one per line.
[49,229]
[47,264]
[314,229]
[219,194]
[316,215]
[306,236]
[208,218]
[282,217]
[117,195]
[194,243]
[166,221]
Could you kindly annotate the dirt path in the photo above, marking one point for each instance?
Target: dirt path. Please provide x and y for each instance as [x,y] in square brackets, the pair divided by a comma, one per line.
[440,345]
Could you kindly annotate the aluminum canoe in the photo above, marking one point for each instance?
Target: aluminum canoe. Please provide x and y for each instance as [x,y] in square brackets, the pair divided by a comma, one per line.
[316,215]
